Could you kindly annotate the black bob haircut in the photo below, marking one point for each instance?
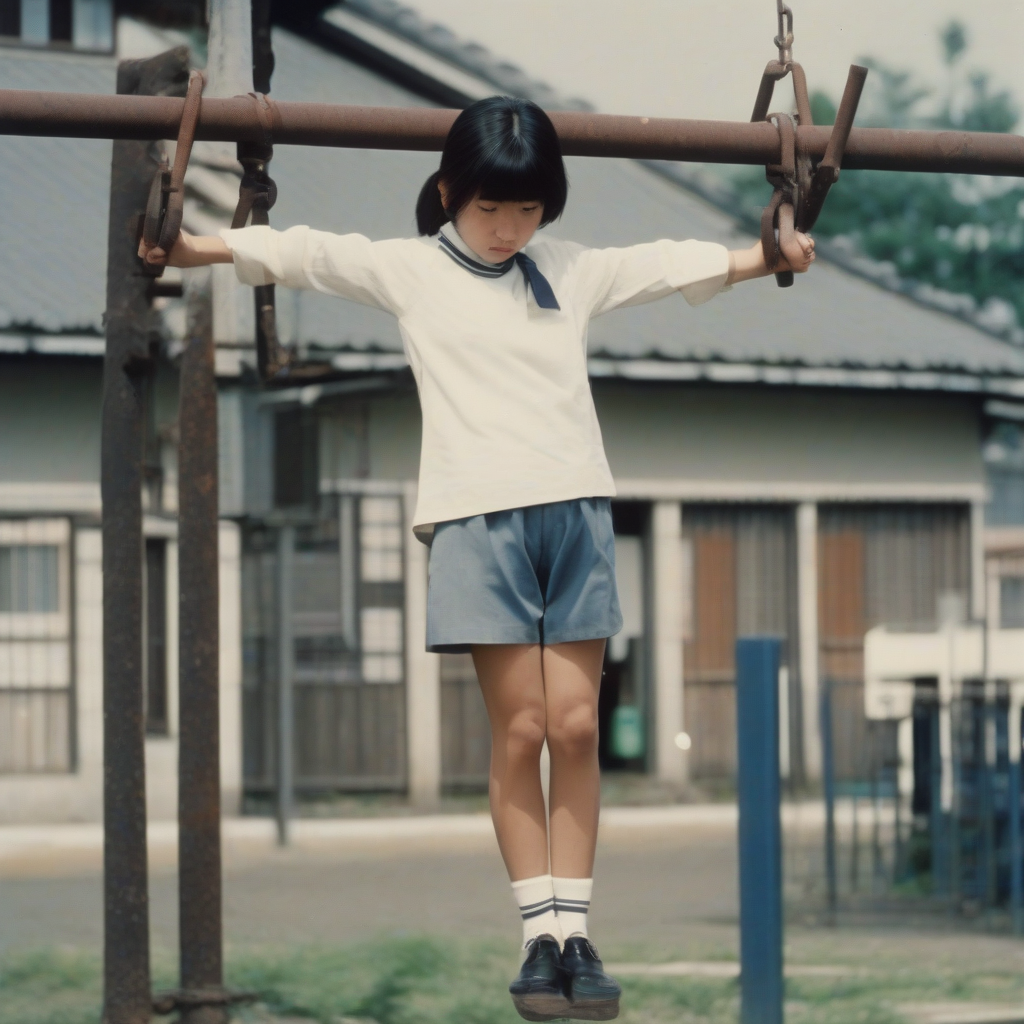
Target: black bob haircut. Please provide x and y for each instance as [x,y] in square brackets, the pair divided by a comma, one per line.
[500,148]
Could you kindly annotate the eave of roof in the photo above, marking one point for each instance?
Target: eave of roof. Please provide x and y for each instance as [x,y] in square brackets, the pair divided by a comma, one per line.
[88,345]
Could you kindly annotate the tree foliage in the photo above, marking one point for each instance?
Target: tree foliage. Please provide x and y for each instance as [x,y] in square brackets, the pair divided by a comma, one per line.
[958,233]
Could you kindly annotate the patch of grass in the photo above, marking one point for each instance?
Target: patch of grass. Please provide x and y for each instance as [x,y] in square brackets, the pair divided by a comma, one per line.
[50,987]
[423,980]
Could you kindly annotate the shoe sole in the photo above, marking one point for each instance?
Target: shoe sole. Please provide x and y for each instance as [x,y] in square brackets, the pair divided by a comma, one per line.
[544,1007]
[605,1009]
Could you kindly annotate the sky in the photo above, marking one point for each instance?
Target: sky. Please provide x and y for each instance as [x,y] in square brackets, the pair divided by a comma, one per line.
[681,58]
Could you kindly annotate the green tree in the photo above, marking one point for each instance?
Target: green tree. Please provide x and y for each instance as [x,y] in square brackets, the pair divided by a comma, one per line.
[961,234]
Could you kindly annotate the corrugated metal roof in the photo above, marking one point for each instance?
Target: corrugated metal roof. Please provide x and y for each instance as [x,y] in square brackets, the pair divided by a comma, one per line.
[54,200]
[54,193]
[830,318]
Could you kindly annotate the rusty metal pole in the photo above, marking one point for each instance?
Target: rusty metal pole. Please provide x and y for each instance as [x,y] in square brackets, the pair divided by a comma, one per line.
[202,999]
[128,361]
[199,841]
[79,115]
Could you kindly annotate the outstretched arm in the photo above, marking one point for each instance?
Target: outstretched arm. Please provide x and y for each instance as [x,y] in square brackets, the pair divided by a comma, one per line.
[188,251]
[747,264]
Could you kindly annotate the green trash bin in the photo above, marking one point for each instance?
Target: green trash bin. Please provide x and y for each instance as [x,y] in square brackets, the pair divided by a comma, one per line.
[627,732]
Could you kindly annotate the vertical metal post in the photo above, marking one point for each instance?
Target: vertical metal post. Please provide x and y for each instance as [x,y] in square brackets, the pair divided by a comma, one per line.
[285,680]
[1016,846]
[854,846]
[828,775]
[936,818]
[200,910]
[760,830]
[989,765]
[199,843]
[1016,853]
[126,982]
[954,851]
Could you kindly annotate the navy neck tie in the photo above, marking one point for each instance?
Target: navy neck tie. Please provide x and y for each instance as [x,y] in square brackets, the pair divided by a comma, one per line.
[542,290]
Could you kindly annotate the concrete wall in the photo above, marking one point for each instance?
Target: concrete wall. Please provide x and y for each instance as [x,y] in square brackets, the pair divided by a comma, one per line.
[716,437]
[50,432]
[709,439]
[49,420]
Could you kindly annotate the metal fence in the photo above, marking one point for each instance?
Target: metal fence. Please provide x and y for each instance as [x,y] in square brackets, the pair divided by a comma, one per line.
[906,825]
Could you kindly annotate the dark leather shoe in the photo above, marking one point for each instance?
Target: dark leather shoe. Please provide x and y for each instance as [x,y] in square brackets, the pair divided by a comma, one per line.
[539,993]
[592,994]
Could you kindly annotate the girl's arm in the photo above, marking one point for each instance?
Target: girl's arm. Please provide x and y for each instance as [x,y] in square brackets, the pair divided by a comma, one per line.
[349,266]
[188,251]
[747,264]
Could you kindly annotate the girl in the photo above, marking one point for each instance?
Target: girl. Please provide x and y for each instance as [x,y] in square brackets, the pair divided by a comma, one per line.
[514,487]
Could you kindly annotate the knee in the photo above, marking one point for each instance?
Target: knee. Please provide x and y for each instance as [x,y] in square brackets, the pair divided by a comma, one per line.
[574,733]
[524,735]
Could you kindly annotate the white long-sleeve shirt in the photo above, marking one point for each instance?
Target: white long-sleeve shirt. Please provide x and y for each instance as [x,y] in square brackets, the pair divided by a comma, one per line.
[508,415]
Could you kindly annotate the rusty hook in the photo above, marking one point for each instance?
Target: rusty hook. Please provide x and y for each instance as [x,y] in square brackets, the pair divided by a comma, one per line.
[166,204]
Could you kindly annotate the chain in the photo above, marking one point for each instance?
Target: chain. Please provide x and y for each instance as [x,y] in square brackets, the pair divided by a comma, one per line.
[784,40]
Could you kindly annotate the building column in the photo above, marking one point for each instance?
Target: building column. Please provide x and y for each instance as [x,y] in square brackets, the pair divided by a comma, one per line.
[422,676]
[668,593]
[807,609]
[978,595]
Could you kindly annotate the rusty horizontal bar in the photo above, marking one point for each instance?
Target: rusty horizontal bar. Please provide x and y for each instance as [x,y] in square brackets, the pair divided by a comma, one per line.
[82,115]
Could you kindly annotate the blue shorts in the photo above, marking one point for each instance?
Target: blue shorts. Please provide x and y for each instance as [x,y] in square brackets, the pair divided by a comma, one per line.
[544,574]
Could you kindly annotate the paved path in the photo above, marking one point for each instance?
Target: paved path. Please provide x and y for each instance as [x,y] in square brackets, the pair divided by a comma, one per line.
[666,890]
[663,874]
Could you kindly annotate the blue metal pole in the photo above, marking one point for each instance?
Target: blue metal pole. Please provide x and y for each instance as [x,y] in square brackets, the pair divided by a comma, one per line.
[1016,853]
[828,772]
[760,830]
[938,822]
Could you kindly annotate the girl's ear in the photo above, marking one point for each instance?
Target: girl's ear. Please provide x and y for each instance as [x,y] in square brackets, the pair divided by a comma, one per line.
[443,189]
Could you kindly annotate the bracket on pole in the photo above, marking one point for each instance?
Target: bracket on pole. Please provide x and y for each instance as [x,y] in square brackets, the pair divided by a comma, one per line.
[800,192]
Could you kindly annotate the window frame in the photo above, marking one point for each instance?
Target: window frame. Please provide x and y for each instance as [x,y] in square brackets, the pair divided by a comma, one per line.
[45,627]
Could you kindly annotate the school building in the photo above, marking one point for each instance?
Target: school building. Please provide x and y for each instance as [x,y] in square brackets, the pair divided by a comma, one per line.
[808,463]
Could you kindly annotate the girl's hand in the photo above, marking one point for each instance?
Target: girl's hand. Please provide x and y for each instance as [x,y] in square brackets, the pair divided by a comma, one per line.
[798,255]
[187,251]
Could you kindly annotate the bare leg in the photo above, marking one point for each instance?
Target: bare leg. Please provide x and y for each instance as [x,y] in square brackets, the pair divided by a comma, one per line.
[512,682]
[572,681]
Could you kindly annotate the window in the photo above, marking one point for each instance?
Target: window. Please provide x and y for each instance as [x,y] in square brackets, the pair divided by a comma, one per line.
[35,646]
[1011,602]
[295,458]
[28,578]
[81,24]
[380,560]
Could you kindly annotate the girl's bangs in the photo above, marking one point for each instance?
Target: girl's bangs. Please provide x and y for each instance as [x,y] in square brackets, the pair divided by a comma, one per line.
[510,183]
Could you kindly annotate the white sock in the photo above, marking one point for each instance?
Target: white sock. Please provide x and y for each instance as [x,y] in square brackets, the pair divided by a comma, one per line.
[572,901]
[536,899]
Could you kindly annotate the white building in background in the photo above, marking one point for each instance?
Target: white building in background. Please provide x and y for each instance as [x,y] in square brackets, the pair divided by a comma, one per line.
[807,463]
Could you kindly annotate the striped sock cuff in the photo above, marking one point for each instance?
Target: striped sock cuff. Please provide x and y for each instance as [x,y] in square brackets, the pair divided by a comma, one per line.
[572,901]
[563,906]
[536,909]
[534,896]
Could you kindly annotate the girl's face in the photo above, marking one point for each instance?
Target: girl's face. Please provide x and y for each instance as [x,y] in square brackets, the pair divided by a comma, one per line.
[497,230]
